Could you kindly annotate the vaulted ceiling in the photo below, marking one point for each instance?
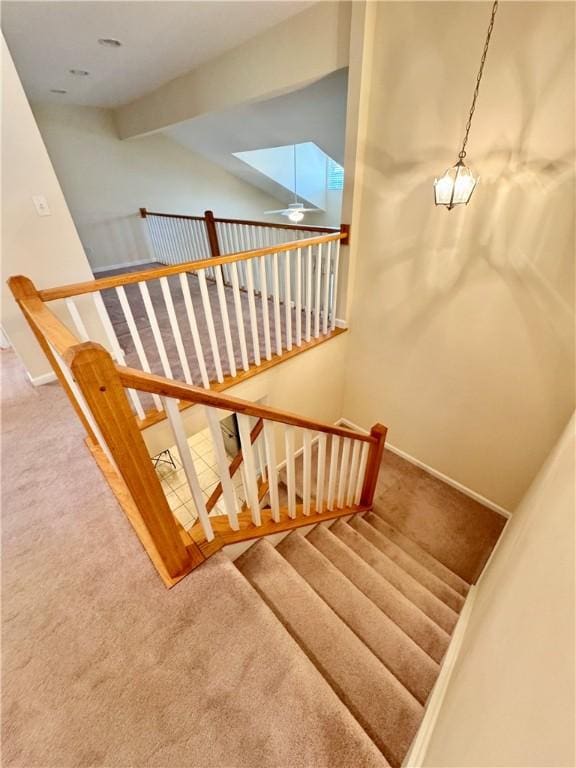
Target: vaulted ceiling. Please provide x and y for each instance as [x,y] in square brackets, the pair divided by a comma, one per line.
[160,41]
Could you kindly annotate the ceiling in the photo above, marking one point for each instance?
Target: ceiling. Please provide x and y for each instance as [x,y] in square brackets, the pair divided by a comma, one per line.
[160,41]
[316,113]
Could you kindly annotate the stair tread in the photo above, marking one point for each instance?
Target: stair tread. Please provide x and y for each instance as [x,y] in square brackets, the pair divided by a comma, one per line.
[398,652]
[438,611]
[382,705]
[414,622]
[408,563]
[418,553]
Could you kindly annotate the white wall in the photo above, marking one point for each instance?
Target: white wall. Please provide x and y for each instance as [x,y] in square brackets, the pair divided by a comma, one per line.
[462,322]
[106,180]
[46,249]
[510,701]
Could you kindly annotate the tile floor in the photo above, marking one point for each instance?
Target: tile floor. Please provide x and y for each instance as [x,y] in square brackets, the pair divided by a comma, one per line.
[176,487]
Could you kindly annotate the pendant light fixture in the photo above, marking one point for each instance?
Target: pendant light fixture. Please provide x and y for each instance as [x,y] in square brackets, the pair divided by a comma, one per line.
[295,211]
[455,187]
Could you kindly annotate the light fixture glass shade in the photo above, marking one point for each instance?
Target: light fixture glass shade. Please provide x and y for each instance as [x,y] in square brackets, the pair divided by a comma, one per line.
[296,215]
[455,187]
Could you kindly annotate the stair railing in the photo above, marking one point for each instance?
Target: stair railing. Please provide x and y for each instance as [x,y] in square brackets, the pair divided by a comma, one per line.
[338,466]
[102,393]
[208,321]
[178,238]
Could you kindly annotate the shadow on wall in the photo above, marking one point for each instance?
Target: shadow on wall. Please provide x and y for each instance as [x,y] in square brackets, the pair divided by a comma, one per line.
[463,320]
[509,226]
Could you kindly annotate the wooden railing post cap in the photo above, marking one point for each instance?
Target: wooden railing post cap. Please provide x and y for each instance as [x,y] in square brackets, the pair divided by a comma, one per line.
[378,430]
[143,212]
[86,352]
[22,287]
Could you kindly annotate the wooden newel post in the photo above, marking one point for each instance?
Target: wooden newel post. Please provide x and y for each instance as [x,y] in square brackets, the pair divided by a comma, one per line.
[211,232]
[375,452]
[143,213]
[95,374]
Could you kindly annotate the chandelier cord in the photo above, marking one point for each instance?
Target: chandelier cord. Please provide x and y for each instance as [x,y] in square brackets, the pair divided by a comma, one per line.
[462,153]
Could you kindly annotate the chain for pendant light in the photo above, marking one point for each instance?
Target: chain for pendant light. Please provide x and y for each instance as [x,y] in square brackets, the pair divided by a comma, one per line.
[462,153]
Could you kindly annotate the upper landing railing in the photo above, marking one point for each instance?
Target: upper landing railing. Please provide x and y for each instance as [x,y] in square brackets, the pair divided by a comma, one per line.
[177,238]
[212,320]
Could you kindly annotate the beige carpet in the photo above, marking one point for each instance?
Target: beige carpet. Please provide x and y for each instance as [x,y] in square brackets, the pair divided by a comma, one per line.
[321,652]
[101,666]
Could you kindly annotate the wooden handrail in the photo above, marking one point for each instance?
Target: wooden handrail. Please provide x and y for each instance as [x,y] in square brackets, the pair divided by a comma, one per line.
[276,225]
[144,213]
[76,289]
[159,385]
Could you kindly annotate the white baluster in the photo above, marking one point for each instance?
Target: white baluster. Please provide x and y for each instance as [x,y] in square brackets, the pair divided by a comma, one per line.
[252,308]
[321,469]
[290,471]
[225,321]
[272,469]
[361,473]
[332,472]
[265,313]
[117,352]
[353,476]
[317,292]
[194,328]
[307,477]
[249,468]
[344,470]
[298,290]
[177,425]
[335,285]
[77,320]
[230,501]
[308,293]
[210,324]
[135,334]
[327,276]
[151,314]
[276,296]
[164,285]
[239,316]
[288,300]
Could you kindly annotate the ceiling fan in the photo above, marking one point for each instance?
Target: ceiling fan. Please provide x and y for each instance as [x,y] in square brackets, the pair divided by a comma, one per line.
[295,211]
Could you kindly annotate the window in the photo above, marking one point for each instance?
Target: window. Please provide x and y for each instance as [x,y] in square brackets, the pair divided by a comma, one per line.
[335,175]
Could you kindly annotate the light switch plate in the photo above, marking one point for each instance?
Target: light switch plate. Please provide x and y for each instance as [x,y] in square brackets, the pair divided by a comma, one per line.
[41,205]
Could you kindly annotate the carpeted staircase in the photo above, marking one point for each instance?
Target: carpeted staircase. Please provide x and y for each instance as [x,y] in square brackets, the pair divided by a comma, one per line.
[372,610]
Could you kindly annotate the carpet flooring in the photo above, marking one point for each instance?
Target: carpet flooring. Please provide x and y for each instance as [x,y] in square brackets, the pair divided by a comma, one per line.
[321,652]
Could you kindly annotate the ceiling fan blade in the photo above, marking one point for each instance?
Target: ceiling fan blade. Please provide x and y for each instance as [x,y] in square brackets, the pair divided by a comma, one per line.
[281,210]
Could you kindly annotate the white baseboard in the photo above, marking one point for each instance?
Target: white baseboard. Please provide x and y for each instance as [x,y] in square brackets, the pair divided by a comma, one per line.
[417,752]
[341,323]
[434,472]
[46,378]
[121,266]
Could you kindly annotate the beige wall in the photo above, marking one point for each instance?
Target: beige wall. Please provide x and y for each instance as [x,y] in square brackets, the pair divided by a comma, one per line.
[462,322]
[511,698]
[47,249]
[280,387]
[107,180]
[290,55]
